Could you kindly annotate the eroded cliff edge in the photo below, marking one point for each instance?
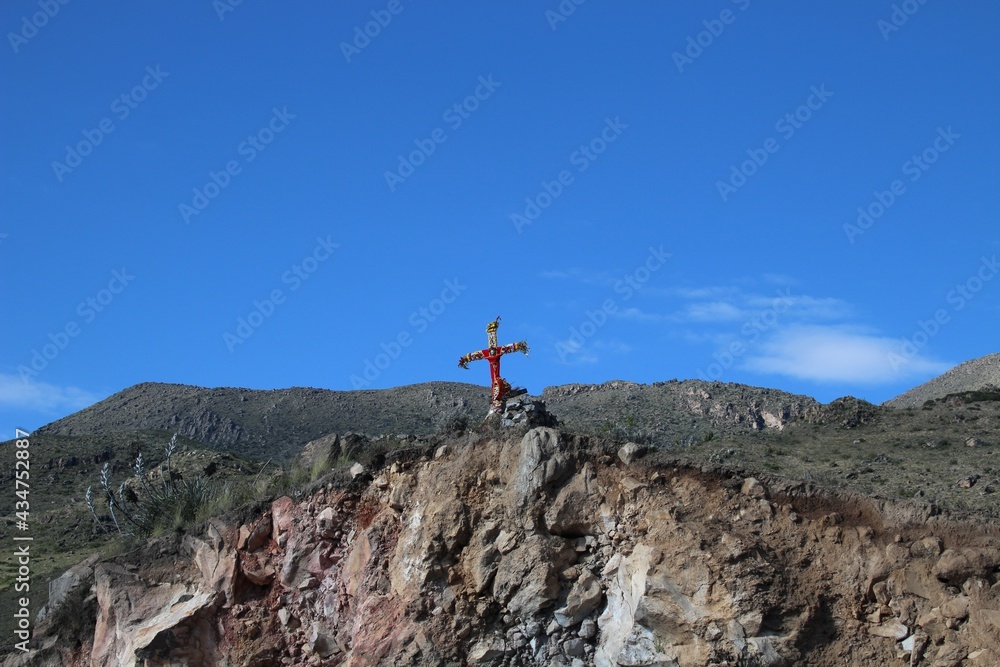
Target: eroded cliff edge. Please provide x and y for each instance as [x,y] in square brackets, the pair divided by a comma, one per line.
[544,550]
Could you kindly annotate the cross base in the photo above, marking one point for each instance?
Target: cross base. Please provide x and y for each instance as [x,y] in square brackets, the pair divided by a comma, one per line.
[527,412]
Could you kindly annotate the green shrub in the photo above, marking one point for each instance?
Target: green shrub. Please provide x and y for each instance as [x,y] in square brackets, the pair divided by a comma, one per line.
[150,506]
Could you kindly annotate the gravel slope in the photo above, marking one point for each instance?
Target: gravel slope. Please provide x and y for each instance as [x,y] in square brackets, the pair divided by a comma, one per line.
[970,376]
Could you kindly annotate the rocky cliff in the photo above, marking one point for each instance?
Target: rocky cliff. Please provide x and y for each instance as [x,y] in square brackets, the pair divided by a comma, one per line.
[544,549]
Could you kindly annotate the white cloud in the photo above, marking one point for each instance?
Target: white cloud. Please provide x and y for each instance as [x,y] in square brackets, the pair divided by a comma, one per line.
[702,292]
[806,307]
[575,356]
[730,304]
[637,315]
[572,354]
[712,311]
[837,354]
[19,394]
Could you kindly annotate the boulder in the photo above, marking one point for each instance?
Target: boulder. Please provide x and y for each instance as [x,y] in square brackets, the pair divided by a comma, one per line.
[320,643]
[582,600]
[323,451]
[399,495]
[281,515]
[574,648]
[326,523]
[259,533]
[574,510]
[540,463]
[630,452]
[481,558]
[76,580]
[957,565]
[134,618]
[486,651]
[928,547]
[526,578]
[891,629]
[753,488]
[968,482]
[255,572]
[956,608]
[217,565]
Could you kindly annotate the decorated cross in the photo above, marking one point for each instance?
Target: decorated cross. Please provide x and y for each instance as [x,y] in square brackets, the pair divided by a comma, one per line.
[501,388]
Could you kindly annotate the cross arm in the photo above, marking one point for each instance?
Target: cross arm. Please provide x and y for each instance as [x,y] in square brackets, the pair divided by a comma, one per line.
[471,356]
[520,346]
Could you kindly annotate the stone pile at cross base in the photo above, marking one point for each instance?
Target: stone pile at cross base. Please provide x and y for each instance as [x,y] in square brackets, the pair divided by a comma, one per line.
[524,411]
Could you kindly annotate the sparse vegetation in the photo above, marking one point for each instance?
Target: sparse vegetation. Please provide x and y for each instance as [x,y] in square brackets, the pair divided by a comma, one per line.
[914,454]
[154,501]
[624,431]
[453,422]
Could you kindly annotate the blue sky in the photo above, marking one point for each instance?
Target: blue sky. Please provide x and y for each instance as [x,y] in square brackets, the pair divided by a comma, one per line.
[342,195]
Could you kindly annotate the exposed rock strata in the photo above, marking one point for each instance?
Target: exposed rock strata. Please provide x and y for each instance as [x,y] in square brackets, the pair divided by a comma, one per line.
[542,551]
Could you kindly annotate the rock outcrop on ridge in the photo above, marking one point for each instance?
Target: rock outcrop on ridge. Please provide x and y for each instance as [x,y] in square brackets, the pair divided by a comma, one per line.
[545,549]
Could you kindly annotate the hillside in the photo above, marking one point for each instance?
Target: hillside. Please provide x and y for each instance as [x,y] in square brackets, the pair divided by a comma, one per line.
[277,423]
[269,423]
[974,375]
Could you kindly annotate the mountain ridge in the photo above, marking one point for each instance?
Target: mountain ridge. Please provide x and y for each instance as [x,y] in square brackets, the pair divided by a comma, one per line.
[972,375]
[280,421]
[277,423]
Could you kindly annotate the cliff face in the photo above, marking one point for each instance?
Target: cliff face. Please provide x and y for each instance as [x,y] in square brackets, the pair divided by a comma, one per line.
[545,550]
